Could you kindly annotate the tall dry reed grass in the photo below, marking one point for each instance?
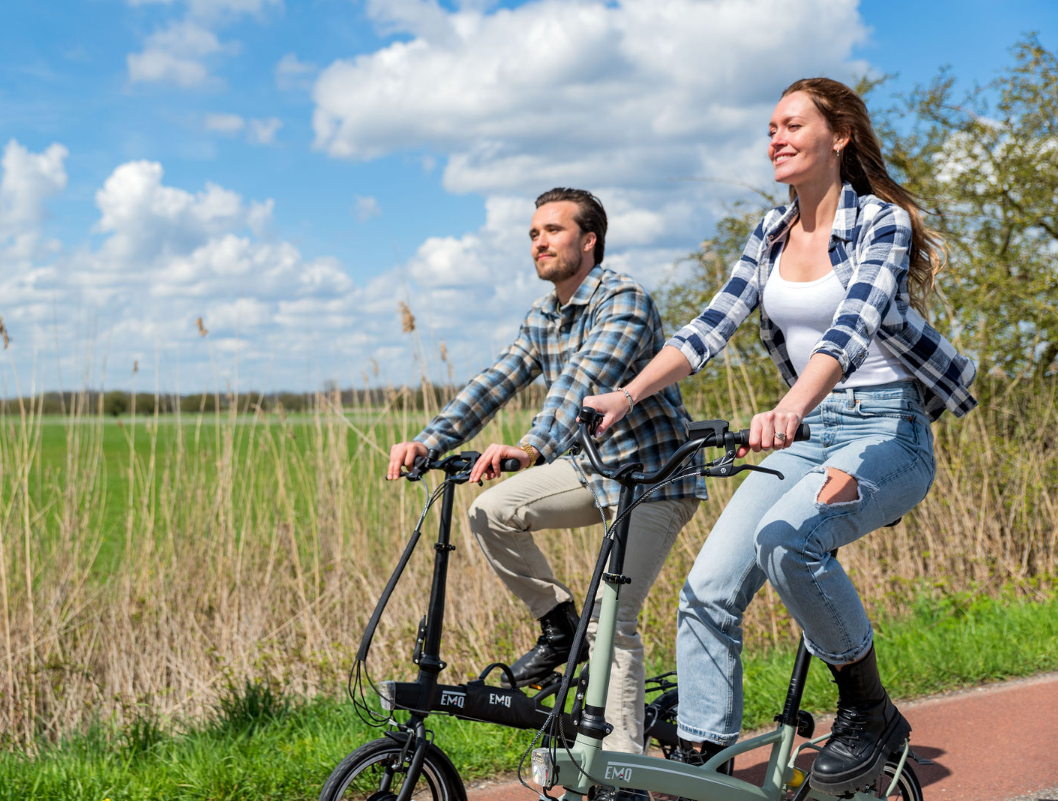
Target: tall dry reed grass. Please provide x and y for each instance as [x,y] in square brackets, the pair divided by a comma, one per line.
[256,546]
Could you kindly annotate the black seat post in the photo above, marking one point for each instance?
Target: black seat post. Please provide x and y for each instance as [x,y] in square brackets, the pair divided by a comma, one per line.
[798,680]
[620,538]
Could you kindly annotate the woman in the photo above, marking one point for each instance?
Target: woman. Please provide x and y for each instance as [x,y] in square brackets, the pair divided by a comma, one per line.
[840,276]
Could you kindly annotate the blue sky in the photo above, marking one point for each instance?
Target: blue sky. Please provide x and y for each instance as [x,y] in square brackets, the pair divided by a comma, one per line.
[291,171]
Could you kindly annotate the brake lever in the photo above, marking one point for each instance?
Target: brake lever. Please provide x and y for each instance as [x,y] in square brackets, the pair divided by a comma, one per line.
[421,465]
[747,467]
[417,469]
[725,466]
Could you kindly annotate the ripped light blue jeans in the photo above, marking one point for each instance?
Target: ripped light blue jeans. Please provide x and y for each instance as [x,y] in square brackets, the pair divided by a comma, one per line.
[778,531]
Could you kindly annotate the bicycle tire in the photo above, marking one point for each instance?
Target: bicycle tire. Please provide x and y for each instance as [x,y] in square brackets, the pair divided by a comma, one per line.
[907,787]
[361,773]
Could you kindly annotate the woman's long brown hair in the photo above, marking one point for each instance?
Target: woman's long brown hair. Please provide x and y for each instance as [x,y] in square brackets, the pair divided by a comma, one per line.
[864,168]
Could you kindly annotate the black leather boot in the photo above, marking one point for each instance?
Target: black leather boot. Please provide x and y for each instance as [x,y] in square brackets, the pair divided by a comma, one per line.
[552,649]
[867,729]
[685,752]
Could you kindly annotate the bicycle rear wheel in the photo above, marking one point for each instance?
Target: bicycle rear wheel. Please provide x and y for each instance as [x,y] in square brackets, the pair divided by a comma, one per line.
[375,771]
[907,786]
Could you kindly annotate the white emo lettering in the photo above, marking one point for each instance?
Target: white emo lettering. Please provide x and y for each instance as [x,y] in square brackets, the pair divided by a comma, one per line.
[619,773]
[452,699]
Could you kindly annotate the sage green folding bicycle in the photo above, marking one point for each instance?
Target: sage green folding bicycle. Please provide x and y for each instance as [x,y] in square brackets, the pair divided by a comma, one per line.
[584,769]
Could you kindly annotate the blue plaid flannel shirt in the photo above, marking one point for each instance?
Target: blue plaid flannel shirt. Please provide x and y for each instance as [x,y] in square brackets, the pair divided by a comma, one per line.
[869,250]
[606,334]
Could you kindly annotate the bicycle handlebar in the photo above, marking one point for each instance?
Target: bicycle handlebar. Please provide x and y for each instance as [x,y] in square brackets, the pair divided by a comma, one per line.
[454,465]
[701,434]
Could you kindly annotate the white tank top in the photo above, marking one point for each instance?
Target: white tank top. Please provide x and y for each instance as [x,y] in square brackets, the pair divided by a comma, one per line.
[804,310]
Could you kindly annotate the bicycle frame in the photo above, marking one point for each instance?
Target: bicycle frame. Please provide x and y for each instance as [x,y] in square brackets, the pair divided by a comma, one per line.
[586,763]
[472,701]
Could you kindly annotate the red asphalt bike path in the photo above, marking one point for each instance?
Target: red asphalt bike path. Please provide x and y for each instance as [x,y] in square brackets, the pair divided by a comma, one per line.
[999,741]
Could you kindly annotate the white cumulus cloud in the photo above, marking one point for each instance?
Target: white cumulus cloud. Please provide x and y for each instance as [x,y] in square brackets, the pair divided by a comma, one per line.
[553,92]
[228,124]
[28,180]
[659,107]
[292,73]
[168,256]
[177,54]
[263,131]
[181,52]
[366,207]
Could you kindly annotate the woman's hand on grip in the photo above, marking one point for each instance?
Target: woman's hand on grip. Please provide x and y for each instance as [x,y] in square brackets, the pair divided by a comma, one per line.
[770,430]
[612,406]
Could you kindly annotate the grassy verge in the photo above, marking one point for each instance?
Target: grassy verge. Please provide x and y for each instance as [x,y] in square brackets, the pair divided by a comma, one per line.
[262,744]
[144,562]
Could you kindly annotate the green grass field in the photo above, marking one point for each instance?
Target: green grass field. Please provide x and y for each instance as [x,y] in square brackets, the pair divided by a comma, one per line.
[158,575]
[124,445]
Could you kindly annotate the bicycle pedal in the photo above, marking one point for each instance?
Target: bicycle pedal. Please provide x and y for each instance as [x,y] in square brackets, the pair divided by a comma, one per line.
[922,761]
[541,683]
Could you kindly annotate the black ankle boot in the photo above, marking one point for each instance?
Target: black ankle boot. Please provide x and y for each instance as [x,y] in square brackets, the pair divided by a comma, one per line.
[685,752]
[867,729]
[552,649]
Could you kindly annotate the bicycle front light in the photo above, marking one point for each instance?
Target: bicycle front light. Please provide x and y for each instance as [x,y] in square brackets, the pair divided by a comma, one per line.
[544,773]
[387,694]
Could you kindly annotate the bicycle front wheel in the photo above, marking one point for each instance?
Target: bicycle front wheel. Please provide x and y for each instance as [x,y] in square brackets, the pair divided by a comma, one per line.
[375,771]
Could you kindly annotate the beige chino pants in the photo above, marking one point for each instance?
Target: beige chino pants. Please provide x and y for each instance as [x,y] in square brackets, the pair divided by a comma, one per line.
[503,520]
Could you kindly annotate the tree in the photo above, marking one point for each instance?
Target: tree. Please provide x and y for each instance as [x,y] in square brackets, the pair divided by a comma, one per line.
[988,167]
[116,403]
[146,403]
[194,404]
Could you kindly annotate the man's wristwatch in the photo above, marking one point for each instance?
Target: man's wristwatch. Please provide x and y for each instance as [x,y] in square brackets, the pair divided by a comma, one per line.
[532,452]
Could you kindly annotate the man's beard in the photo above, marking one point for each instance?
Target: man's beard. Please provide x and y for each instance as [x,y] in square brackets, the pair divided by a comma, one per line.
[557,268]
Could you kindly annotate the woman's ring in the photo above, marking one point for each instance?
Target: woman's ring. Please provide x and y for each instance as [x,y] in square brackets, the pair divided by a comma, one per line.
[780,436]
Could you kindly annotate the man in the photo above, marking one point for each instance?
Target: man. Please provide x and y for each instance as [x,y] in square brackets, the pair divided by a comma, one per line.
[594,330]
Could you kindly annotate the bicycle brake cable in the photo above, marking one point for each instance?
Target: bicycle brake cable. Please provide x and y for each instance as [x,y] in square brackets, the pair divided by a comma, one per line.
[358,672]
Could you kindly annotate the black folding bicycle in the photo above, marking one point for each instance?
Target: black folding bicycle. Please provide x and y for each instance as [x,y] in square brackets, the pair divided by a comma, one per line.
[406,763]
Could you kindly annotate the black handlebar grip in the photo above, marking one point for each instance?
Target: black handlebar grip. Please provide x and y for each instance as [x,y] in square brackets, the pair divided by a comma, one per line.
[510,465]
[803,433]
[591,418]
